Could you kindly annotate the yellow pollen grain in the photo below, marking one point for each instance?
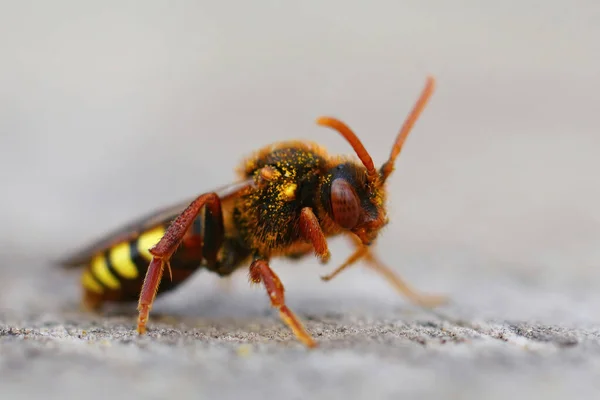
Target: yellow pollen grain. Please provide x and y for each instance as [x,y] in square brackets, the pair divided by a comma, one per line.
[120,259]
[89,283]
[289,191]
[100,270]
[148,239]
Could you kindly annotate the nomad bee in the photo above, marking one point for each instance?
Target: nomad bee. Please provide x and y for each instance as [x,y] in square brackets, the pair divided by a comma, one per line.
[290,197]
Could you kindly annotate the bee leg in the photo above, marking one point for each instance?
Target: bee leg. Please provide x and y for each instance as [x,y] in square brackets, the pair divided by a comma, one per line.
[311,231]
[366,253]
[164,249]
[360,252]
[424,300]
[261,272]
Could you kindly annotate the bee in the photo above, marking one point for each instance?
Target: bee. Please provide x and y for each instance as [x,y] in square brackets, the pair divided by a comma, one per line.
[290,198]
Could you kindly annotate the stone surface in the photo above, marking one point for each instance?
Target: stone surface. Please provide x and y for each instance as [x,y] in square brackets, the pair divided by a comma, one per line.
[517,340]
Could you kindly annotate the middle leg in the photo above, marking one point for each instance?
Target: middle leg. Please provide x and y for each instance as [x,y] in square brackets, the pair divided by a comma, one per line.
[261,272]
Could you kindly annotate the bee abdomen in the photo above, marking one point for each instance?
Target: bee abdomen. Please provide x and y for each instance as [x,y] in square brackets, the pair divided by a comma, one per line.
[123,261]
[118,273]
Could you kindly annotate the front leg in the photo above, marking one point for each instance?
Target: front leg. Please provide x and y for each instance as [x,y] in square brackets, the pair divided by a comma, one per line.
[366,253]
[312,232]
[261,272]
[412,294]
[168,244]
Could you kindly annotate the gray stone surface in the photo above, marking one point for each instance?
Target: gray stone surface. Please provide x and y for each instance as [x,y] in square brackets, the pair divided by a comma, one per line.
[498,338]
[109,110]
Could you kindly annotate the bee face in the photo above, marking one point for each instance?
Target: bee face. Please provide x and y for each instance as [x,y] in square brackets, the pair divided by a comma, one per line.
[354,202]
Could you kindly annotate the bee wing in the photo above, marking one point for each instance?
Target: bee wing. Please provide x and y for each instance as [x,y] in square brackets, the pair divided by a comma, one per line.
[138,226]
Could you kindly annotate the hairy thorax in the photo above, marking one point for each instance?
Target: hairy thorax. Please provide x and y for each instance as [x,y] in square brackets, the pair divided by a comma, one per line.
[287,177]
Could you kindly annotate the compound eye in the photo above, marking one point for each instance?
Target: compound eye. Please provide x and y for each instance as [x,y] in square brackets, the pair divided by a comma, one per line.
[344,204]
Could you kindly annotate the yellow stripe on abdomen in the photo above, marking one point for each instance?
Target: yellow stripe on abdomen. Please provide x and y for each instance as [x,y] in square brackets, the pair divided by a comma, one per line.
[120,260]
[102,273]
[89,283]
[148,239]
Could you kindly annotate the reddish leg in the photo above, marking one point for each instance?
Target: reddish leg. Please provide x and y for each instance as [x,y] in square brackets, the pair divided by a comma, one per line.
[366,253]
[360,252]
[424,300]
[311,231]
[261,272]
[168,244]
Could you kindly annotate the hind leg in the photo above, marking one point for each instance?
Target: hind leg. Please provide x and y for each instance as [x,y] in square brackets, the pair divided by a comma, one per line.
[168,244]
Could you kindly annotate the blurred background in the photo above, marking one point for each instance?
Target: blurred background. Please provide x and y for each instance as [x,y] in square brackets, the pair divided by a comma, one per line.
[110,109]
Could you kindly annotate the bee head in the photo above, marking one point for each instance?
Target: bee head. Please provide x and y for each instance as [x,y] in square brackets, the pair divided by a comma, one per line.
[353,193]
